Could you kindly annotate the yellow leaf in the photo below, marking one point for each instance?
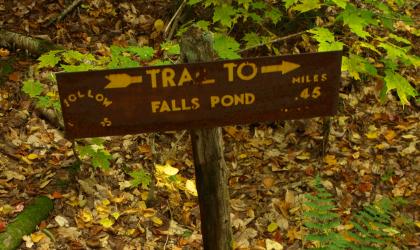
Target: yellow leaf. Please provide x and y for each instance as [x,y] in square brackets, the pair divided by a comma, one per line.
[157,220]
[32,156]
[191,188]
[36,237]
[106,202]
[242,156]
[116,215]
[159,25]
[389,135]
[131,231]
[149,212]
[304,156]
[167,169]
[23,158]
[272,227]
[4,52]
[273,245]
[372,134]
[86,215]
[417,224]
[330,159]
[106,222]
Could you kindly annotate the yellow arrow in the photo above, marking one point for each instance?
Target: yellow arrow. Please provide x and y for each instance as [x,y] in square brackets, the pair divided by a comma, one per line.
[121,80]
[284,67]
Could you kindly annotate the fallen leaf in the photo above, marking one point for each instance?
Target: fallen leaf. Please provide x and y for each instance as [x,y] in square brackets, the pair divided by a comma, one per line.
[4,52]
[15,76]
[191,188]
[273,245]
[61,221]
[268,182]
[106,222]
[37,236]
[330,160]
[2,226]
[389,135]
[272,227]
[157,220]
[159,25]
[167,169]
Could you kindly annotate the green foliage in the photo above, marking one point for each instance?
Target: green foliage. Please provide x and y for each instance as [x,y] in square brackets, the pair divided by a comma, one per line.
[129,57]
[326,39]
[96,152]
[32,87]
[361,27]
[371,227]
[226,46]
[321,220]
[140,177]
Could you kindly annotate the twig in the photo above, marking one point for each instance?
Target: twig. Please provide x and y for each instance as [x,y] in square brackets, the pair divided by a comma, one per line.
[273,41]
[173,22]
[64,13]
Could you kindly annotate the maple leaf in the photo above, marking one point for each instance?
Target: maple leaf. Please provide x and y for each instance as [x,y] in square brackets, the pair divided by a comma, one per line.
[224,14]
[355,64]
[307,5]
[226,46]
[341,3]
[145,53]
[140,177]
[357,19]
[32,87]
[251,39]
[326,39]
[273,14]
[404,89]
[288,3]
[49,59]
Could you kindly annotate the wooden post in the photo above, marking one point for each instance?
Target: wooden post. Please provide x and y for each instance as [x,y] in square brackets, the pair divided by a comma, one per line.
[210,166]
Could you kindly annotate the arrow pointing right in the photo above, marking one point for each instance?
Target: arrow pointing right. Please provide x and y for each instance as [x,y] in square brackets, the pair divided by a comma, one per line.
[284,67]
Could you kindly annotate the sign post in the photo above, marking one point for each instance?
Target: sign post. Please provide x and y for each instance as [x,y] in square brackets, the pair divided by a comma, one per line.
[211,171]
[201,95]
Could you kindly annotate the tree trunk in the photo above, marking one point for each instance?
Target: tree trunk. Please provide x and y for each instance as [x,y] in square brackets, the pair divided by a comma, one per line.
[210,167]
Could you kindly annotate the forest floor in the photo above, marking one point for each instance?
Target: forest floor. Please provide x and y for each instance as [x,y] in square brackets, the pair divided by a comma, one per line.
[372,152]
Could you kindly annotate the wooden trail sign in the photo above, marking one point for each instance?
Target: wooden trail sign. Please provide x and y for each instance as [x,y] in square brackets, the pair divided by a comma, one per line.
[197,95]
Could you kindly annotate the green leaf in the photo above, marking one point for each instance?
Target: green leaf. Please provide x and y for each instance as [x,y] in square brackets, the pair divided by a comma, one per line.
[192,2]
[49,59]
[78,68]
[341,3]
[404,89]
[355,64]
[259,5]
[226,46]
[307,5]
[170,47]
[101,159]
[251,39]
[288,3]
[72,56]
[203,24]
[326,39]
[224,14]
[145,52]
[273,14]
[357,19]
[44,102]
[32,88]
[140,177]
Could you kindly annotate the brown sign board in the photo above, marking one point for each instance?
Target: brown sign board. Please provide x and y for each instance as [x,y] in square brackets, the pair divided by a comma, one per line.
[196,95]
